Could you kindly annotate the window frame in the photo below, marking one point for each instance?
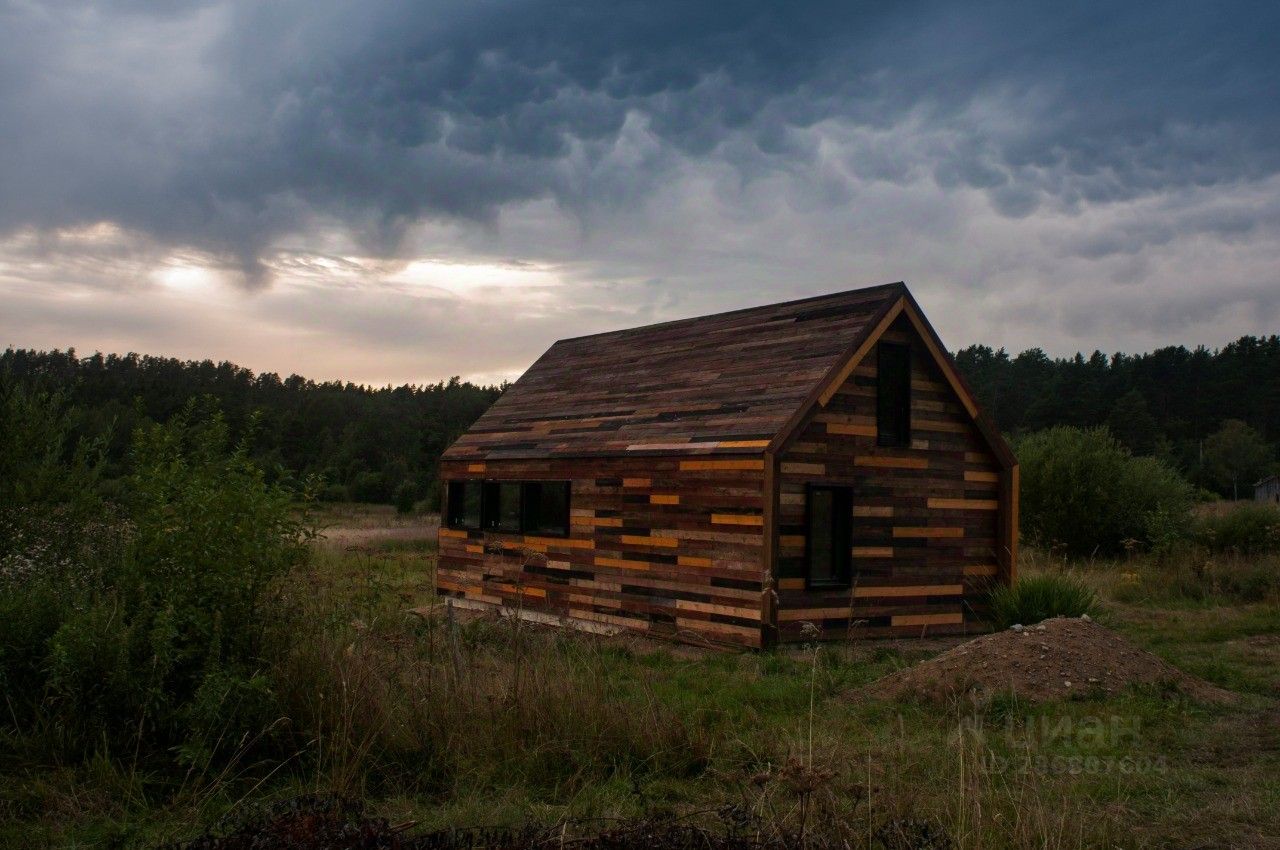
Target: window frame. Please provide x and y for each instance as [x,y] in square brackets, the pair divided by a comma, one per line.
[491,505]
[525,524]
[894,440]
[841,527]
[492,510]
[455,514]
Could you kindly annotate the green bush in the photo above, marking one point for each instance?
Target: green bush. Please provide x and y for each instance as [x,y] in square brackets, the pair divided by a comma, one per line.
[405,497]
[1037,598]
[369,487]
[113,625]
[1251,529]
[333,493]
[1085,493]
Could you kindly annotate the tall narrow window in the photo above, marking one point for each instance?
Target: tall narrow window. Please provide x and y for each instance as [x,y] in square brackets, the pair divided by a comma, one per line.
[546,507]
[829,537]
[464,504]
[893,394]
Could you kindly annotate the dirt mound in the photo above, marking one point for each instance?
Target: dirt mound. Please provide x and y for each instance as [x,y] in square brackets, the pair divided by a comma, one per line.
[1056,659]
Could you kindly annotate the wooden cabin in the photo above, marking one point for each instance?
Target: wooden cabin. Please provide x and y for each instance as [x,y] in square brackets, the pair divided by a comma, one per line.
[734,477]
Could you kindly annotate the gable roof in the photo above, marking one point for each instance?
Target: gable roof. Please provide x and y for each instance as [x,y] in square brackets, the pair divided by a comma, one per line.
[730,383]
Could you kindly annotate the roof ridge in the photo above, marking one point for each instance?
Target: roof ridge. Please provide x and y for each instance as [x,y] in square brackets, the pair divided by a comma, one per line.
[771,305]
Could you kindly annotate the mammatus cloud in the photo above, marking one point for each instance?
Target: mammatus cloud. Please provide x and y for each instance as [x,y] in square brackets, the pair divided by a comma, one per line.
[1045,176]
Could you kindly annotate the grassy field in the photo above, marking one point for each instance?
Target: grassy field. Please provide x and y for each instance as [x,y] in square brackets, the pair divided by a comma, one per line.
[452,722]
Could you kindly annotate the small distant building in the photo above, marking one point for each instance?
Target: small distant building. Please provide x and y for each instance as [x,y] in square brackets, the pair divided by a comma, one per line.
[1267,490]
[739,478]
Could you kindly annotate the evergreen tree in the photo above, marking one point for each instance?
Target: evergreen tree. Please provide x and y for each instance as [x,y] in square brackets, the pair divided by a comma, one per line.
[1132,424]
[1236,454]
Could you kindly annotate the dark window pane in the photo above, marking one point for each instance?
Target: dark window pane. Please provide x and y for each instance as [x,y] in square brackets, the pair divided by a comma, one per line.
[508,513]
[546,507]
[471,505]
[821,562]
[464,504]
[829,535]
[893,394]
[454,518]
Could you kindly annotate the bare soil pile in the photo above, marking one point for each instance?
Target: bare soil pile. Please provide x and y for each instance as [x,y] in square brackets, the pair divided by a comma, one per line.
[1057,659]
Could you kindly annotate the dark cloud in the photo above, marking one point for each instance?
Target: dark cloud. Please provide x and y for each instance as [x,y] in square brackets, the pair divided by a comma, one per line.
[226,126]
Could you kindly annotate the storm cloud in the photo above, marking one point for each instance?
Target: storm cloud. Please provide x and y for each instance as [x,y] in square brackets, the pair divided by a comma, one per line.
[692,154]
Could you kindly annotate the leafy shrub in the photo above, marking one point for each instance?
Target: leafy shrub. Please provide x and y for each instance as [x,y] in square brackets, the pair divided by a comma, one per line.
[1037,598]
[334,493]
[405,497]
[55,533]
[1250,529]
[114,624]
[370,487]
[1084,492]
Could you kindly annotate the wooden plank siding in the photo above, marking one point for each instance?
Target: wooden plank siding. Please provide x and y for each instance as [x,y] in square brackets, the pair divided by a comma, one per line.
[926,518]
[712,385]
[656,545]
[688,446]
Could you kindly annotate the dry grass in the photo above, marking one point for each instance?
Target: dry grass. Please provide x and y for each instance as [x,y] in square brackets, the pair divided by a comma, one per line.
[490,722]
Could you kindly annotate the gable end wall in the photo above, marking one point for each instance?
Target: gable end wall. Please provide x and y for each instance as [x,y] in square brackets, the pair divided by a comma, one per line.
[926,518]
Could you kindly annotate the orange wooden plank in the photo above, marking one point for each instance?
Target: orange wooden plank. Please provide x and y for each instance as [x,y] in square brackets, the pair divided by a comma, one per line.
[737,519]
[721,465]
[851,430]
[639,540]
[863,591]
[891,462]
[964,504]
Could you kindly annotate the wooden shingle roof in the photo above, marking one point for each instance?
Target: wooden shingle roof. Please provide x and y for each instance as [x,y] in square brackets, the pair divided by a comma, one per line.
[722,384]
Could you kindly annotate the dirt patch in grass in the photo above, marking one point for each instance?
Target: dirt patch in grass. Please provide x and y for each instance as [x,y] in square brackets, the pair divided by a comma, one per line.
[1060,658]
[368,536]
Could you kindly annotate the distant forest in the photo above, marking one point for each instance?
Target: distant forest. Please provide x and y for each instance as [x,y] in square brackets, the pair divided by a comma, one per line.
[368,444]
[1196,409]
[381,444]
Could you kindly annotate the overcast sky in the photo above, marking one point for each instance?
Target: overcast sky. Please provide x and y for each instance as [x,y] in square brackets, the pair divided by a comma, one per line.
[404,191]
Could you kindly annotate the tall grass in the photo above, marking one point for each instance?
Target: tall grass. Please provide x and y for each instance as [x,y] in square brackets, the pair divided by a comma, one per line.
[384,701]
[1248,529]
[1039,597]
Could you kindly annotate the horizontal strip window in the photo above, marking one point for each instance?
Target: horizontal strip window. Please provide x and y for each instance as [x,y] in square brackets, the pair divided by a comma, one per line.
[529,507]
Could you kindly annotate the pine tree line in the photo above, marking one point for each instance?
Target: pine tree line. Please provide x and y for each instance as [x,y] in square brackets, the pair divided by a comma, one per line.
[372,444]
[1197,409]
[1193,408]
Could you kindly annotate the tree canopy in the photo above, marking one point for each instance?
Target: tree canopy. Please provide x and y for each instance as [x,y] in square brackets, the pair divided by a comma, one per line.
[382,444]
[1167,402]
[366,443]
